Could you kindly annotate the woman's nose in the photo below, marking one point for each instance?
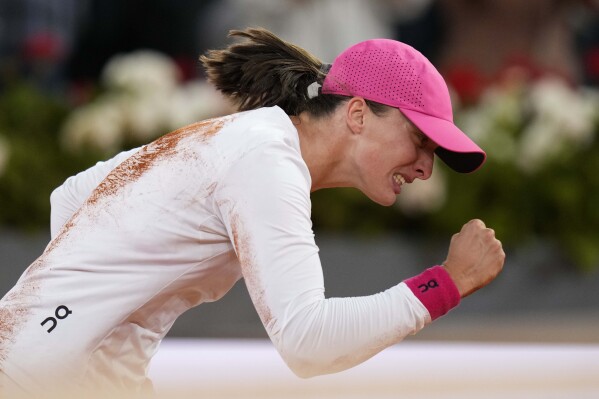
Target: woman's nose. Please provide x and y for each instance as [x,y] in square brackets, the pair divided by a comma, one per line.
[424,165]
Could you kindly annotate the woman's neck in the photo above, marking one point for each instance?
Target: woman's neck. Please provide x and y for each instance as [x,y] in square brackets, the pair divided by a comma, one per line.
[324,147]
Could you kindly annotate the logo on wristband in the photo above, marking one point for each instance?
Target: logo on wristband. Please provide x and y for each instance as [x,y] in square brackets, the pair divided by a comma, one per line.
[429,285]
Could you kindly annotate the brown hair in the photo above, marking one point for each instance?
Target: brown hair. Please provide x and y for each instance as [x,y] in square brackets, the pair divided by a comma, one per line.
[265,70]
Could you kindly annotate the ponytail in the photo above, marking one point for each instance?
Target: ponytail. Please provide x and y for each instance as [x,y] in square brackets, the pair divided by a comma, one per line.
[265,70]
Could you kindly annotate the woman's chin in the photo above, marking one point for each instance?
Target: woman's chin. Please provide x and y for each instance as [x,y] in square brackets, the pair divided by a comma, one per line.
[386,200]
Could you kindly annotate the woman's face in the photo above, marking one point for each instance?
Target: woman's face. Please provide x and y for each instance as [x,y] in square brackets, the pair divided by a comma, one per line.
[391,152]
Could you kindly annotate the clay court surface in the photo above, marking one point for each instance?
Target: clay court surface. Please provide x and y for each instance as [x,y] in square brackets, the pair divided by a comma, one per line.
[207,368]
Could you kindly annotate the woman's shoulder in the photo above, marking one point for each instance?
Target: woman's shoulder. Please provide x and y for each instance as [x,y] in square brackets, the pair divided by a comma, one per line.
[256,128]
[266,136]
[264,117]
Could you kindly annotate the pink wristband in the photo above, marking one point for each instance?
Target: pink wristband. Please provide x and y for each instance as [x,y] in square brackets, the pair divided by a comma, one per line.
[436,290]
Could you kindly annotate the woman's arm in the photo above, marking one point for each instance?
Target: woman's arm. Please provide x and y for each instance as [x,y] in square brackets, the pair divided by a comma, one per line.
[264,201]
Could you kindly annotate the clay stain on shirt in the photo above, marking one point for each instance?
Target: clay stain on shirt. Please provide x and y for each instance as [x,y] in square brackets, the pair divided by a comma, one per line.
[149,155]
[15,308]
[10,318]
[14,312]
[245,254]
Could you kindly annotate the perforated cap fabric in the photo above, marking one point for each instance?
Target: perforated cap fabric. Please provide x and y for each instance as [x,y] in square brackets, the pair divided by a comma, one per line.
[392,73]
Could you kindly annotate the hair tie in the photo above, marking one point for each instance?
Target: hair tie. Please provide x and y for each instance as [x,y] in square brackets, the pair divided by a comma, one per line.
[314,90]
[325,68]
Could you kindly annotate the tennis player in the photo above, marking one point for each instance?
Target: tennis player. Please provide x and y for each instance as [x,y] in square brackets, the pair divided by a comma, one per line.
[139,239]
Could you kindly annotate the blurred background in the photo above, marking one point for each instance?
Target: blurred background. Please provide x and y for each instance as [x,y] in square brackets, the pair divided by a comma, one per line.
[81,80]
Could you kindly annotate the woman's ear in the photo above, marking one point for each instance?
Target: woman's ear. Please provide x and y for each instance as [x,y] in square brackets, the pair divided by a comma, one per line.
[356,113]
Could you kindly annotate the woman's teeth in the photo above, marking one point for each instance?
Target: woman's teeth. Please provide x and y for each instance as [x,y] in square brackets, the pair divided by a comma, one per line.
[399,179]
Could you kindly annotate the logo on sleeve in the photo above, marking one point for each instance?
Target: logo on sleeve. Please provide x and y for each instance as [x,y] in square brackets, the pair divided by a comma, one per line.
[61,312]
[429,285]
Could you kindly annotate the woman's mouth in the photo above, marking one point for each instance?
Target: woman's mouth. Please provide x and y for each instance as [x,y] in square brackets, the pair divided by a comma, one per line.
[398,181]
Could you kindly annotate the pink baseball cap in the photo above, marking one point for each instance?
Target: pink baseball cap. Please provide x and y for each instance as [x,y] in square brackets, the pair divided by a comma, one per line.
[392,73]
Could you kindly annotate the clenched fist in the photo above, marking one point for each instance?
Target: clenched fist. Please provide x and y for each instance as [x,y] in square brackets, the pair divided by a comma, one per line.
[475,257]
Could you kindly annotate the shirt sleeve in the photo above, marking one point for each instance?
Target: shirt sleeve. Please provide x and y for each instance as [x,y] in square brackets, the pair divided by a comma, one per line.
[264,201]
[66,199]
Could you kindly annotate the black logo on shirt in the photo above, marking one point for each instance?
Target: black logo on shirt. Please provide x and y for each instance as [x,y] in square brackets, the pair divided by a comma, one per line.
[61,312]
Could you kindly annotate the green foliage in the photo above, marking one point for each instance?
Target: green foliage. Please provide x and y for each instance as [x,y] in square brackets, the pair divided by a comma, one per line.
[547,189]
[29,125]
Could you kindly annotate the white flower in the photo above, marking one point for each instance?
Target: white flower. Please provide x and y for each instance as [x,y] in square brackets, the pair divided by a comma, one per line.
[141,71]
[146,116]
[564,119]
[504,105]
[423,196]
[4,154]
[571,111]
[540,142]
[476,123]
[195,101]
[98,125]
[143,100]
[483,127]
[492,123]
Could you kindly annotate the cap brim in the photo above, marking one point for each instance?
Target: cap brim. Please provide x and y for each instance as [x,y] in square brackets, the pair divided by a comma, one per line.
[456,149]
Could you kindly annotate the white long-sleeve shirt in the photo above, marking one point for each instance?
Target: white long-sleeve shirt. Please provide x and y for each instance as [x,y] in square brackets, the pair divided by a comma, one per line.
[141,238]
